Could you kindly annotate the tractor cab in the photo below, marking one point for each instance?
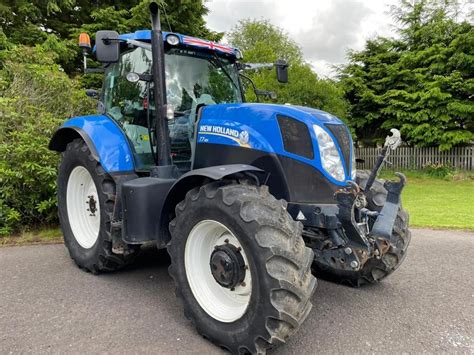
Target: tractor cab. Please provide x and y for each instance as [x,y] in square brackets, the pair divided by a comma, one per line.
[197,73]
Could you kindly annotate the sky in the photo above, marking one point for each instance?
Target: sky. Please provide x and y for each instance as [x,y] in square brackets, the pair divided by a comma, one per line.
[325,29]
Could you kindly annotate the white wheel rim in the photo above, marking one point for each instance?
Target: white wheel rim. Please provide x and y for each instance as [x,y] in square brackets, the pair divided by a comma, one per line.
[219,302]
[85,224]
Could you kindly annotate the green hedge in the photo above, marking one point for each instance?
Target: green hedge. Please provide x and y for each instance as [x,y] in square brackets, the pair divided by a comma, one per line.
[36,97]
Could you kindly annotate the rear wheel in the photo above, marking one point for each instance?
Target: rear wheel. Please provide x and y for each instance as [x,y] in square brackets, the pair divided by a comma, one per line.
[240,266]
[86,197]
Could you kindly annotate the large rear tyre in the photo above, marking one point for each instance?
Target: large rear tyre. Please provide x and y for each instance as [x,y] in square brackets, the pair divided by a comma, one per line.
[240,266]
[374,270]
[86,197]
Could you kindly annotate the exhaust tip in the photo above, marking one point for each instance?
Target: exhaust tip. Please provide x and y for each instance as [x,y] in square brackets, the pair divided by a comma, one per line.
[154,8]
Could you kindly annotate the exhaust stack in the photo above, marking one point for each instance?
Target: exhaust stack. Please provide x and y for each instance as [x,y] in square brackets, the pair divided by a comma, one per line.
[163,153]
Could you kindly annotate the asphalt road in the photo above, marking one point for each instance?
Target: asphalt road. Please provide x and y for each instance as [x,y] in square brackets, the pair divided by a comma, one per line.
[49,305]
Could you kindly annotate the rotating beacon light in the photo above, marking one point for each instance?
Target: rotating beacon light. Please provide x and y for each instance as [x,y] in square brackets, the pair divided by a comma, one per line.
[85,44]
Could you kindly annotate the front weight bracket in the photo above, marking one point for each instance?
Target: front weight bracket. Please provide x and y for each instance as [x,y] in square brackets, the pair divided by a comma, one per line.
[384,223]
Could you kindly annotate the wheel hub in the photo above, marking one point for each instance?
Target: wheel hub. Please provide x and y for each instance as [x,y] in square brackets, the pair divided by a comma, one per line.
[227,265]
[92,205]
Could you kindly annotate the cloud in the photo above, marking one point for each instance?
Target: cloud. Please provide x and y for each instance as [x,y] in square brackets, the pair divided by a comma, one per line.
[325,30]
[333,30]
[224,14]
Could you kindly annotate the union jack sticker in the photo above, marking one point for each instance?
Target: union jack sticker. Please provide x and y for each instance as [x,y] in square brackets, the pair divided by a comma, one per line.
[207,44]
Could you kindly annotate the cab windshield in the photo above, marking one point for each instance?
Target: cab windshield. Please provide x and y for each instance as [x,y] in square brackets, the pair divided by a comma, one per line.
[192,79]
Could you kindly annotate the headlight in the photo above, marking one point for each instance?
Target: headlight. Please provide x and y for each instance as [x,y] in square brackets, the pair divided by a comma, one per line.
[354,169]
[330,158]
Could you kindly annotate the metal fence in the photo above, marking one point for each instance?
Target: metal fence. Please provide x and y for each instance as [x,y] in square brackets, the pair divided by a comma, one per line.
[417,158]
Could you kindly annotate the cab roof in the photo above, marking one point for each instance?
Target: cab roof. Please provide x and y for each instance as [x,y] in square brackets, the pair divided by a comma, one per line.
[186,41]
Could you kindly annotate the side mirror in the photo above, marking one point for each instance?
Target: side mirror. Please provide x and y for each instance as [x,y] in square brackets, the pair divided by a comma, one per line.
[107,46]
[92,93]
[282,70]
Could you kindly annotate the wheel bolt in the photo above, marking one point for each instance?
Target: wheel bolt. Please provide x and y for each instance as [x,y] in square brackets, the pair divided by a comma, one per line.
[354,264]
[348,251]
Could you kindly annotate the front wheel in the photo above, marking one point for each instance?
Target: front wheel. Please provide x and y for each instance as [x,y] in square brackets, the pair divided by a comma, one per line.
[240,266]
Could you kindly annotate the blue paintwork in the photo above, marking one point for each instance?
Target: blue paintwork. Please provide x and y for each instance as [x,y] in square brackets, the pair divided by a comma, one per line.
[109,140]
[145,35]
[257,120]
[260,122]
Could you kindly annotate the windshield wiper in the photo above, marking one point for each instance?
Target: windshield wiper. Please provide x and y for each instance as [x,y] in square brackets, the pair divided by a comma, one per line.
[221,66]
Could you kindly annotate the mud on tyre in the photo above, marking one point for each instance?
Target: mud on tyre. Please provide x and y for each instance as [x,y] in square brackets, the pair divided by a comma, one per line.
[276,285]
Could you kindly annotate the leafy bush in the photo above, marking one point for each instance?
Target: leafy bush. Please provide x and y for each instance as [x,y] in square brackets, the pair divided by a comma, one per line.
[439,170]
[36,97]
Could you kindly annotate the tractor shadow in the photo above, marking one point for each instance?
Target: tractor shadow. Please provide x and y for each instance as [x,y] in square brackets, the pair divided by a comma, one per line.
[336,307]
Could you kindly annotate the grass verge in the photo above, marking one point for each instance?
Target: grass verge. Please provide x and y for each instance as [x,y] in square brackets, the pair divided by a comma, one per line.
[438,202]
[50,235]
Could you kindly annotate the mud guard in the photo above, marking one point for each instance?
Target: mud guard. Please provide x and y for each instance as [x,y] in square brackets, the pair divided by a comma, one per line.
[193,179]
[104,137]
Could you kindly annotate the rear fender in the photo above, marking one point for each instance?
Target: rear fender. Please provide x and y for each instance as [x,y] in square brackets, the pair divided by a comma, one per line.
[106,140]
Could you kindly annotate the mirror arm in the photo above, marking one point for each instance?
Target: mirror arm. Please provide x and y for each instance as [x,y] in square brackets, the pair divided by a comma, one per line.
[255,90]
[256,66]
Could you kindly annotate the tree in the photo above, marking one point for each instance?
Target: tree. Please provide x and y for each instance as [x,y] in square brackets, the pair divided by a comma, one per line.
[39,89]
[60,21]
[421,83]
[262,42]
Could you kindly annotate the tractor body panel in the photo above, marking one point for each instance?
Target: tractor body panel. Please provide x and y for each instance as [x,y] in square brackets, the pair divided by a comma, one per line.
[259,135]
[262,127]
[104,137]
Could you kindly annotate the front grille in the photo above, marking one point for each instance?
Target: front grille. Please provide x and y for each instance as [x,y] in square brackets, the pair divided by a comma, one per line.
[296,137]
[342,136]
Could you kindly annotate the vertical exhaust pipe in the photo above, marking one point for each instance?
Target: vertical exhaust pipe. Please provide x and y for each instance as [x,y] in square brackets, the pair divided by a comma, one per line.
[163,153]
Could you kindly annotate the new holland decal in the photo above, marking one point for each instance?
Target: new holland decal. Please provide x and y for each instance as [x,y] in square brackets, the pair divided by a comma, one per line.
[239,136]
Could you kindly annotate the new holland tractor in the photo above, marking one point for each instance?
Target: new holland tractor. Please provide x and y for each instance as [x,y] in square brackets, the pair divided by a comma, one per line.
[249,199]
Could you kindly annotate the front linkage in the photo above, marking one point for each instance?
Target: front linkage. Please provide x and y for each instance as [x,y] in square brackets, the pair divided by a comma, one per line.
[357,233]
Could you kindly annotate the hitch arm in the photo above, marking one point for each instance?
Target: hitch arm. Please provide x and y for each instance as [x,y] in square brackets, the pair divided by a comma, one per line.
[391,143]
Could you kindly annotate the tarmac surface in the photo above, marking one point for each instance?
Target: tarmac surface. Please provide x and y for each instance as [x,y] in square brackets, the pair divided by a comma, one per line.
[48,305]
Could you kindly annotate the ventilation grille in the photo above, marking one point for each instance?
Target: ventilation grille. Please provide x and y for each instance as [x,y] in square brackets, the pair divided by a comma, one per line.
[342,136]
[296,137]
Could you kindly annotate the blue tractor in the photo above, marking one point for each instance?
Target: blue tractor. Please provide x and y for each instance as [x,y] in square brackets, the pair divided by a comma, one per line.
[251,200]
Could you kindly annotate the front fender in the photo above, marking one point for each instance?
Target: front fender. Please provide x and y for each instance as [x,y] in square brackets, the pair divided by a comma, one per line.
[196,178]
[104,137]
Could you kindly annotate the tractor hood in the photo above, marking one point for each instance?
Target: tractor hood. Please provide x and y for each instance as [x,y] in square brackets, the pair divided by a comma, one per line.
[266,111]
[284,130]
